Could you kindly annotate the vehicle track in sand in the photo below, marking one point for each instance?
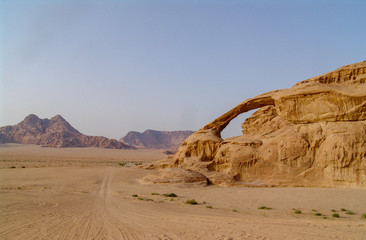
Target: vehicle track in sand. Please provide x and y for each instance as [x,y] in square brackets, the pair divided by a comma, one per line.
[88,216]
[97,203]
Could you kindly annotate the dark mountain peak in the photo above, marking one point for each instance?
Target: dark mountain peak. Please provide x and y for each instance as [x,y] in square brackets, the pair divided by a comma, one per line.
[58,117]
[32,123]
[54,132]
[31,119]
[58,123]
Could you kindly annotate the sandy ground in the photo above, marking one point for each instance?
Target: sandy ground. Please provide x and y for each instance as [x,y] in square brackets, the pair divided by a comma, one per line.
[18,155]
[88,194]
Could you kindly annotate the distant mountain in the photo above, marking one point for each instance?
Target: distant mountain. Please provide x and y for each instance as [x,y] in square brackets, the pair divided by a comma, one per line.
[54,132]
[170,140]
[2,140]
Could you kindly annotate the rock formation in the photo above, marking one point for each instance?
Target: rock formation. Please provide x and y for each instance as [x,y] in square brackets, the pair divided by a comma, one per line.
[176,176]
[54,132]
[169,140]
[313,134]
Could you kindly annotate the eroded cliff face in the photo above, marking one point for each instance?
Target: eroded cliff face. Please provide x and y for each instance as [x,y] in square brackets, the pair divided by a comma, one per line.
[283,153]
[313,134]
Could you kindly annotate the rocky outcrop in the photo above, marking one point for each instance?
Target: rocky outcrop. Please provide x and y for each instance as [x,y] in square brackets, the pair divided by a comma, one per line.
[313,134]
[170,140]
[176,176]
[54,132]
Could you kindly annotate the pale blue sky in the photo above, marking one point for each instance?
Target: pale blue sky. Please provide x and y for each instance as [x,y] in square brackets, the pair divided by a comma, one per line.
[109,67]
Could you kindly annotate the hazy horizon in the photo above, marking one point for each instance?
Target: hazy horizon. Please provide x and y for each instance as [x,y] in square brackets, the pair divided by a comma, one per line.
[116,66]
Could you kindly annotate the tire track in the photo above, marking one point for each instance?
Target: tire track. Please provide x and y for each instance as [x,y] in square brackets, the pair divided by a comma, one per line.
[99,221]
[84,216]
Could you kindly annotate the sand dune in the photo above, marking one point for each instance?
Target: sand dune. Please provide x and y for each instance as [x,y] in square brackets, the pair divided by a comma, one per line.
[96,202]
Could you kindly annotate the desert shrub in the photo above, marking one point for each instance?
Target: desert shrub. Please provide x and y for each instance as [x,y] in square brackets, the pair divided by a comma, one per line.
[313,210]
[135,195]
[140,198]
[350,213]
[343,209]
[208,206]
[191,201]
[23,166]
[317,214]
[12,167]
[264,208]
[155,193]
[363,216]
[335,215]
[333,210]
[170,195]
[298,212]
[234,210]
[122,164]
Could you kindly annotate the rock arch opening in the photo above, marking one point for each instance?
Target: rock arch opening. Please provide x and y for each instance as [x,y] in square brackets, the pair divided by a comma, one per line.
[234,128]
[219,124]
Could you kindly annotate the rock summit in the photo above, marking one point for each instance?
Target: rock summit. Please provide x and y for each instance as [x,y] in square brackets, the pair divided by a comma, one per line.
[54,132]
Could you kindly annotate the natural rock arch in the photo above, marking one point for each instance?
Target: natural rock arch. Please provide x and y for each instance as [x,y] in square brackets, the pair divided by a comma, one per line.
[220,123]
[313,132]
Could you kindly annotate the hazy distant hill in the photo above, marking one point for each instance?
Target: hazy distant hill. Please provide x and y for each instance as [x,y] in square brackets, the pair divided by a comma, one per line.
[156,139]
[54,132]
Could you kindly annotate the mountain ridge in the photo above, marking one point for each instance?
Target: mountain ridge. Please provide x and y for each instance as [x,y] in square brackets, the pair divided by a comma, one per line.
[54,132]
[169,140]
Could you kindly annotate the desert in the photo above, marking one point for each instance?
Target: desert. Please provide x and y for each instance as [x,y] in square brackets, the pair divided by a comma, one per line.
[182,120]
[296,172]
[68,193]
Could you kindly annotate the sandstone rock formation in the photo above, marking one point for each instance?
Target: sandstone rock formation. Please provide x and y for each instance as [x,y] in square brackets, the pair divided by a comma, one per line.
[170,140]
[54,132]
[176,176]
[313,134]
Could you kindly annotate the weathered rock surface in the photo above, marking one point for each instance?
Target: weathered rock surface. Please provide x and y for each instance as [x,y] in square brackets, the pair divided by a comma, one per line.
[176,176]
[313,134]
[54,132]
[169,140]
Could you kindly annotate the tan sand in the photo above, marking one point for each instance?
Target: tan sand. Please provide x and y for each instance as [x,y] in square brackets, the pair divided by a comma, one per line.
[72,194]
[18,155]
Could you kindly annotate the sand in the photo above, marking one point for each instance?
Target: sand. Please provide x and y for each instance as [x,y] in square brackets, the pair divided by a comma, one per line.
[87,193]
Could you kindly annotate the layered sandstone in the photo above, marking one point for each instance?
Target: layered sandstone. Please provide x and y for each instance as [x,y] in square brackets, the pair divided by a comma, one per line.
[54,132]
[312,134]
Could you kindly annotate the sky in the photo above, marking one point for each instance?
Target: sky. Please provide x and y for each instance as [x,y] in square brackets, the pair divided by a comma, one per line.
[110,67]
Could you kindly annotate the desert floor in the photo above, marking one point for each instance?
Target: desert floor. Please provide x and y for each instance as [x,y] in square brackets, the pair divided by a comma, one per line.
[88,193]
